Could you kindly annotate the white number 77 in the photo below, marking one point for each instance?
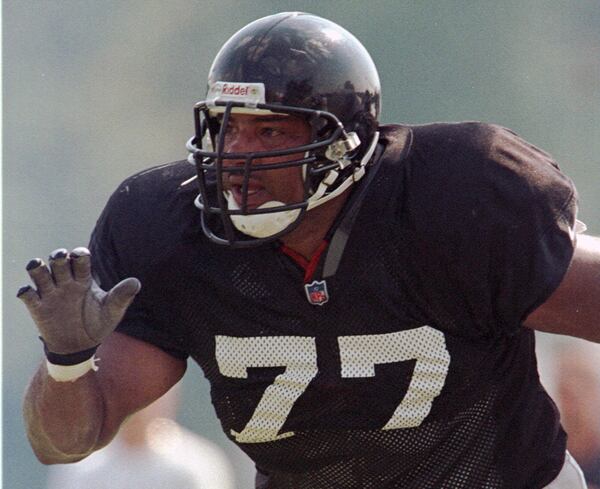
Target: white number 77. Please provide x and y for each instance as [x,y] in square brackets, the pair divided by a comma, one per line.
[358,355]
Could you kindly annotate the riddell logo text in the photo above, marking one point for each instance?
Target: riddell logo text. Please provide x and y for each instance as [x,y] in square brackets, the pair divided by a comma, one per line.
[228,89]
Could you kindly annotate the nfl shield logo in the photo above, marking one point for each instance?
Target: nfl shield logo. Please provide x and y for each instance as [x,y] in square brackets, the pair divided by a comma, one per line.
[316,292]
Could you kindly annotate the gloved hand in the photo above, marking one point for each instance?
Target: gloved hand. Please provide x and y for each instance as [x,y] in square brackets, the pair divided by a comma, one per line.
[71,311]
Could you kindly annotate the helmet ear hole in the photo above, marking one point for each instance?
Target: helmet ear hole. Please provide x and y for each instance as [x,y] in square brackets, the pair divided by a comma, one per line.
[320,125]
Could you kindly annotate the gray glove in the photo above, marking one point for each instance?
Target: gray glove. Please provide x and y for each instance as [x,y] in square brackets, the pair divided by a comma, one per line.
[71,311]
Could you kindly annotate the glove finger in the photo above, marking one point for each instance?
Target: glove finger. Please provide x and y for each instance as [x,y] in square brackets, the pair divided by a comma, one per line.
[81,263]
[41,276]
[120,296]
[29,296]
[59,264]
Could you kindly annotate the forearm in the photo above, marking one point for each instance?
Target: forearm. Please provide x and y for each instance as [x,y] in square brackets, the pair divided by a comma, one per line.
[64,420]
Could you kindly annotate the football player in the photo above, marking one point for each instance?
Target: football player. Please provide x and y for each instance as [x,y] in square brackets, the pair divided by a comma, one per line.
[361,297]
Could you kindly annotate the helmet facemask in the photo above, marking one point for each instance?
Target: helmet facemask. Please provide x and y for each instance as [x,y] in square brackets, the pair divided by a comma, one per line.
[288,63]
[325,162]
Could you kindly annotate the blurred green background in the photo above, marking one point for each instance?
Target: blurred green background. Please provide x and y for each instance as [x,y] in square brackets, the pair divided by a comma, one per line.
[95,90]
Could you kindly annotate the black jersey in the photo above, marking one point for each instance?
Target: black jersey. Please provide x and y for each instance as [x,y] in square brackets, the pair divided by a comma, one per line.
[415,372]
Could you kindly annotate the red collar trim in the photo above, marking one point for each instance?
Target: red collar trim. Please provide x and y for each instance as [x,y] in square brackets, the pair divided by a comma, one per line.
[309,266]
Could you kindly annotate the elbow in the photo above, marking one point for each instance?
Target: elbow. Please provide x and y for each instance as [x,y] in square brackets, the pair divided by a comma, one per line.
[58,452]
[46,459]
[56,457]
[53,456]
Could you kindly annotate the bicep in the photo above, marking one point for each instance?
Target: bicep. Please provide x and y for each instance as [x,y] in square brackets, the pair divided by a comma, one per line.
[132,374]
[574,307]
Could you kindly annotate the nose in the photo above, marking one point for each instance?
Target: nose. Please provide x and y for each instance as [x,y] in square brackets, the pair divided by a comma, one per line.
[237,140]
[240,138]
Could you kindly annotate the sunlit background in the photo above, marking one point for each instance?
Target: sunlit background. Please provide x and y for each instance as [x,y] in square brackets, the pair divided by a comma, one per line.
[96,90]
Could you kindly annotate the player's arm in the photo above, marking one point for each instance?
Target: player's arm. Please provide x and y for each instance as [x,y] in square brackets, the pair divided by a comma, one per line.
[70,408]
[574,307]
[67,421]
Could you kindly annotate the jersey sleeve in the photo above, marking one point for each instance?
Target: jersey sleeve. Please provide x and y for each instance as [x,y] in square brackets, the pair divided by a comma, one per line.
[496,216]
[119,250]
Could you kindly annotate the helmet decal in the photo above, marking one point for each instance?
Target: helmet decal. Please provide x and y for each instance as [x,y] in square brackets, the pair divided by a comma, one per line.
[251,93]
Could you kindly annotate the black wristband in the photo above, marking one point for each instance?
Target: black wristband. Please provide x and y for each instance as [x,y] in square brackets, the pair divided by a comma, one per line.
[68,358]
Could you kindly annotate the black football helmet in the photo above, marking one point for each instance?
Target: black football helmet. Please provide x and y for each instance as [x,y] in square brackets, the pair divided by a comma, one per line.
[288,63]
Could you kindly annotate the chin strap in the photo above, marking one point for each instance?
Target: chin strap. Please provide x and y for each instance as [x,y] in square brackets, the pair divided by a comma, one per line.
[337,243]
[319,196]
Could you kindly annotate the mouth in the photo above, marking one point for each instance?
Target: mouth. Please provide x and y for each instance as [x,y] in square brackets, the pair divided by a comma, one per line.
[256,195]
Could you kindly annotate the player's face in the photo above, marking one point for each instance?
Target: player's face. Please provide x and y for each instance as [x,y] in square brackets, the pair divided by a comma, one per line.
[250,133]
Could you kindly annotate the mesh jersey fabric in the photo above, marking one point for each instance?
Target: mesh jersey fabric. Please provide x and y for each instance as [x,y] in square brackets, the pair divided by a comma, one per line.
[417,372]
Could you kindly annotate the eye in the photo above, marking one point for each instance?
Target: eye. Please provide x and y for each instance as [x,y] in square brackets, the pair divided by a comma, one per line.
[271,132]
[230,132]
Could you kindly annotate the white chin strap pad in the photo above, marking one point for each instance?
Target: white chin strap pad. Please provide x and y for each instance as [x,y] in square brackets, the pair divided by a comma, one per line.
[261,225]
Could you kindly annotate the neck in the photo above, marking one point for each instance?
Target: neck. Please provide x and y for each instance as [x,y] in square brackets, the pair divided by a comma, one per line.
[308,236]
